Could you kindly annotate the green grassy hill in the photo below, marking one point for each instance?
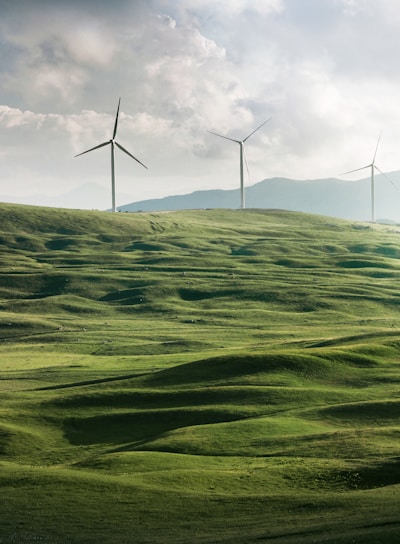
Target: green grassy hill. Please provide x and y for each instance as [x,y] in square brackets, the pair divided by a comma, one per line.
[209,376]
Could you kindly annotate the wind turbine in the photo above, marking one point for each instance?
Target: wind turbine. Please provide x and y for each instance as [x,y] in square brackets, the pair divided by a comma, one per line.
[373,167]
[113,142]
[241,144]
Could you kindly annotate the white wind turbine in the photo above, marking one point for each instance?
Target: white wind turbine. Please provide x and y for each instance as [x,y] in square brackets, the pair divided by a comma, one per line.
[113,142]
[241,144]
[373,167]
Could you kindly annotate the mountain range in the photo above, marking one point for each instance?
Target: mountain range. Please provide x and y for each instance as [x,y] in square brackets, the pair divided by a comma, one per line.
[330,196]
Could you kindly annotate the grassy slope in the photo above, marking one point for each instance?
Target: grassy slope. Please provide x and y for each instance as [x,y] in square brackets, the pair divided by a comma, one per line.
[206,376]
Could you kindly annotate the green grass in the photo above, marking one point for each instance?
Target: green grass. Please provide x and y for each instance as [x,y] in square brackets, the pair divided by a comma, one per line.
[210,376]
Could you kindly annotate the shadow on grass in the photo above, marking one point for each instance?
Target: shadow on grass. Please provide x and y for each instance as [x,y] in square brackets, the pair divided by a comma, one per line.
[236,366]
[379,475]
[136,426]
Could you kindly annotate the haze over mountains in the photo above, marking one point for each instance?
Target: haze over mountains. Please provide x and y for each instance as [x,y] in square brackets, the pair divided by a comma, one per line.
[332,197]
[91,196]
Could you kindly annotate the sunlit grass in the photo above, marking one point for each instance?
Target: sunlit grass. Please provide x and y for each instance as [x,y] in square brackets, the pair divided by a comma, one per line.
[200,376]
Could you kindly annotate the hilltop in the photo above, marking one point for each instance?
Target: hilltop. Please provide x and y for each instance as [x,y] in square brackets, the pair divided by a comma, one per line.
[205,376]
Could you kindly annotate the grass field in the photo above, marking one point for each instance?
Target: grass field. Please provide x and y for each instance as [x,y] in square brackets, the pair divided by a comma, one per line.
[209,376]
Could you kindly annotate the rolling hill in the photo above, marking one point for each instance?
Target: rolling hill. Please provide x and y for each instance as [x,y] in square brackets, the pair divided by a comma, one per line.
[205,376]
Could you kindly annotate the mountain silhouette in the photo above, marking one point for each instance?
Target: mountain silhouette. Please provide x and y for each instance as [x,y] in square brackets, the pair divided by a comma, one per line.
[330,196]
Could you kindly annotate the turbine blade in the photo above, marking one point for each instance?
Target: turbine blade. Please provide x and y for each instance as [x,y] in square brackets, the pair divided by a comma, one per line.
[356,170]
[376,149]
[258,128]
[130,154]
[387,177]
[116,121]
[225,137]
[93,148]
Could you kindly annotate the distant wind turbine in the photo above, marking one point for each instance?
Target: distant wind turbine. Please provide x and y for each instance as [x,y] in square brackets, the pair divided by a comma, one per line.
[373,167]
[113,142]
[241,144]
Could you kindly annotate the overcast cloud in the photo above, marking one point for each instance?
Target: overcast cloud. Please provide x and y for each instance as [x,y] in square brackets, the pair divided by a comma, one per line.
[326,71]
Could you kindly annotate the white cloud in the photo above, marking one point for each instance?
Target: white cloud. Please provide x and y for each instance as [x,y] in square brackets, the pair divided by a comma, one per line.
[166,19]
[325,71]
[91,43]
[233,8]
[11,117]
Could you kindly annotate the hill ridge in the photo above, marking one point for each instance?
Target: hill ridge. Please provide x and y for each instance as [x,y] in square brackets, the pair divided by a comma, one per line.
[329,196]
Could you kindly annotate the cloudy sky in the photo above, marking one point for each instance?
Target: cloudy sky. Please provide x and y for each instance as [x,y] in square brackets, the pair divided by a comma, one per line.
[326,71]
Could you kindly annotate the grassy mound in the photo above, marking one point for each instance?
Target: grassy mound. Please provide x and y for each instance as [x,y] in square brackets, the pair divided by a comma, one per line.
[200,376]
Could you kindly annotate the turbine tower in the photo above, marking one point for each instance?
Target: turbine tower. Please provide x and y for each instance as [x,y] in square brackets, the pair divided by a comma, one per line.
[113,142]
[241,146]
[373,167]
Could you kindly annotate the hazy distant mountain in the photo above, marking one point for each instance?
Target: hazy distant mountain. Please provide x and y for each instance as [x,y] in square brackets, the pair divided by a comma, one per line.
[89,196]
[332,197]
